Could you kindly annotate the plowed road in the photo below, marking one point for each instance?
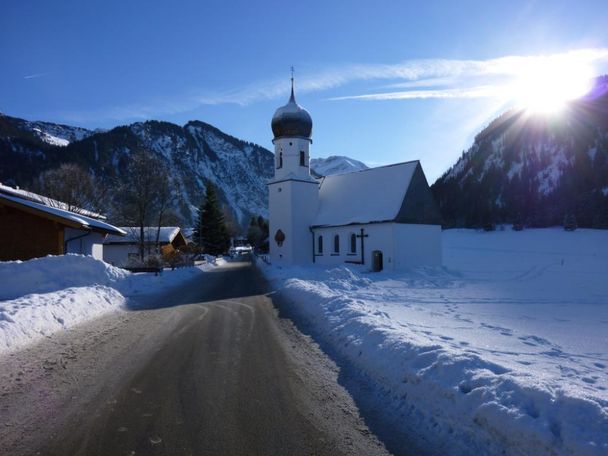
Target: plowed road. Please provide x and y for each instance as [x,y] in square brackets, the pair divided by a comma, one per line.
[208,369]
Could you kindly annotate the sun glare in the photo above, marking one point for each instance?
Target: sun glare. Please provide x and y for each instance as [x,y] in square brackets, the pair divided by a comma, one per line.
[544,86]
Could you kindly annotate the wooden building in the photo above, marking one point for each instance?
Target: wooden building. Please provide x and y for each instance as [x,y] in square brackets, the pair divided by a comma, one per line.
[120,251]
[34,226]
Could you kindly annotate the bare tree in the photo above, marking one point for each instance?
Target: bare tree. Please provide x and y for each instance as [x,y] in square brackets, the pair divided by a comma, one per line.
[72,188]
[163,201]
[145,193]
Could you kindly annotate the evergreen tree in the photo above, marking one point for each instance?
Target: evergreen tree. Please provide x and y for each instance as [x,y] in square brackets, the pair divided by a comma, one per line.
[210,231]
[257,233]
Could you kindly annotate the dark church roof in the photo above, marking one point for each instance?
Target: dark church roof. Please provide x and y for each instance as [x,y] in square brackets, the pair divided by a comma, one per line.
[396,193]
[291,120]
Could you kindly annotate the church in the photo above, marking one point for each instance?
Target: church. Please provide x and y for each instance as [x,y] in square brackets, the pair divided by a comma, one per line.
[383,218]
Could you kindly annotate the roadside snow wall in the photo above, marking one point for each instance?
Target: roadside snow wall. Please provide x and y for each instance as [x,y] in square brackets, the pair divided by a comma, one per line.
[447,401]
[45,295]
[52,273]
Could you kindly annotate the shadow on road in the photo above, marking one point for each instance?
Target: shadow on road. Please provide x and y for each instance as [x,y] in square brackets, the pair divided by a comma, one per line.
[236,279]
[373,405]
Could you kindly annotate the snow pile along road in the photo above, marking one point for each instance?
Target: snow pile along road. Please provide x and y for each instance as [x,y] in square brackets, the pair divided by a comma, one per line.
[504,349]
[33,316]
[42,296]
[52,273]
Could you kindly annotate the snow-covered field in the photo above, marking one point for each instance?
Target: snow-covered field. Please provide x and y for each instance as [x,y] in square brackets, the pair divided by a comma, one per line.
[503,349]
[42,296]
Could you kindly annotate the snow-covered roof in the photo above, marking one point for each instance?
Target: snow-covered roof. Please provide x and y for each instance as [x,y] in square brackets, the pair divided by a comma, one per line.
[20,193]
[68,218]
[394,193]
[167,235]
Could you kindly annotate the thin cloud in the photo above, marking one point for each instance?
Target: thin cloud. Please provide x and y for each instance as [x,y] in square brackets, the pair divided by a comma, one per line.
[35,75]
[408,74]
[440,78]
[459,73]
[471,92]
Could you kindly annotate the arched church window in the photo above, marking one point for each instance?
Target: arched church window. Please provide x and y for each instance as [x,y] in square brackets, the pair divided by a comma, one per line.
[320,244]
[353,243]
[302,158]
[336,243]
[280,160]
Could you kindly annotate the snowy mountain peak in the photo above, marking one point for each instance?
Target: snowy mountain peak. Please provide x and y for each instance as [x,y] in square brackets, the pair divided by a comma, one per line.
[335,164]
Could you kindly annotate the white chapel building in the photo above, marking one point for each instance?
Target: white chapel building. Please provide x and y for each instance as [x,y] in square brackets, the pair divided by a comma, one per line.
[384,217]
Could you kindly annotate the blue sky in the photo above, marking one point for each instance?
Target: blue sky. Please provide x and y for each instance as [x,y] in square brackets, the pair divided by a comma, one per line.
[384,81]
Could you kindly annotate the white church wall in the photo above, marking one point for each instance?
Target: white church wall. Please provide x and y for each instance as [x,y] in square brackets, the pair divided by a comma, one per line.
[417,245]
[293,205]
[305,203]
[328,256]
[279,202]
[402,245]
[289,149]
[379,237]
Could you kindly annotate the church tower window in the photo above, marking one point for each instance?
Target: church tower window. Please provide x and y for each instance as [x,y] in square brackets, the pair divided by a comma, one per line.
[302,158]
[280,160]
[320,245]
[337,243]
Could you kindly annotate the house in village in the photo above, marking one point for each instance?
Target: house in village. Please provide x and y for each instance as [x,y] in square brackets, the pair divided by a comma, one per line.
[123,250]
[33,225]
[383,217]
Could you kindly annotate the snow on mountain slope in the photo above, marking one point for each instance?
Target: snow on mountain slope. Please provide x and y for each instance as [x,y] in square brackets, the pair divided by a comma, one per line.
[193,154]
[533,169]
[335,165]
[56,134]
[503,351]
[199,153]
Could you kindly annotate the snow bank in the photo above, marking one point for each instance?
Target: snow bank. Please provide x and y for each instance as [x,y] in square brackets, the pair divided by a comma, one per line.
[504,349]
[52,273]
[31,317]
[42,296]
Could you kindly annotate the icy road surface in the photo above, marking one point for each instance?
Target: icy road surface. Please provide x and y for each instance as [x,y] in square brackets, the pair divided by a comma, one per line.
[208,369]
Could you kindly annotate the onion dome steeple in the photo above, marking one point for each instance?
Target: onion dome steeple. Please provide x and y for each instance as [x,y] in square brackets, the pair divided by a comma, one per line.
[291,120]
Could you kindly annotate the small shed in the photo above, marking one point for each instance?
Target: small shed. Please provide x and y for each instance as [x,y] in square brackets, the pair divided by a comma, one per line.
[32,226]
[120,250]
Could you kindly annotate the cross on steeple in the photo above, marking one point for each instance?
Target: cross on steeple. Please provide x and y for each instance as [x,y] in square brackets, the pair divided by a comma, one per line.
[292,98]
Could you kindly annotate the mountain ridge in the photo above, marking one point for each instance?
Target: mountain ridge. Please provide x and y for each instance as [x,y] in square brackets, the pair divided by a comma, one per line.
[193,154]
[533,169]
[335,164]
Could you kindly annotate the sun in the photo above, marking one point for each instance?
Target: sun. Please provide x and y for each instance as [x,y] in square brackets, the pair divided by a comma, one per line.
[546,84]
